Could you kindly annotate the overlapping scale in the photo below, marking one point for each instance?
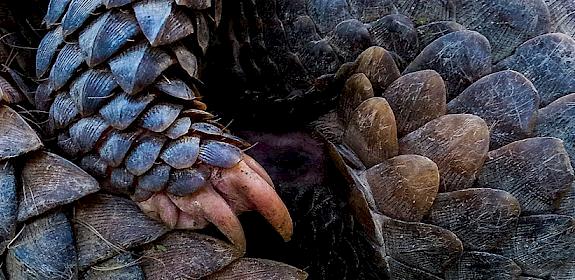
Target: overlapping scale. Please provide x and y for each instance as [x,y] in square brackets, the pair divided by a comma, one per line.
[117,144]
[537,171]
[545,60]
[186,181]
[458,144]
[162,22]
[179,128]
[181,153]
[67,63]
[506,100]
[124,109]
[160,116]
[139,66]
[460,58]
[47,49]
[506,24]
[78,12]
[107,35]
[87,131]
[56,8]
[144,154]
[176,88]
[219,154]
[91,90]
[155,179]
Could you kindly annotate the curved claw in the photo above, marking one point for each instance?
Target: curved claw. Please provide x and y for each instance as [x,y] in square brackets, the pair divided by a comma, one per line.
[245,189]
[207,205]
[255,166]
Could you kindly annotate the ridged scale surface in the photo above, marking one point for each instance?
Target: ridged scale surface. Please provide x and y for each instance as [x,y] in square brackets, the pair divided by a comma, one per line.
[113,98]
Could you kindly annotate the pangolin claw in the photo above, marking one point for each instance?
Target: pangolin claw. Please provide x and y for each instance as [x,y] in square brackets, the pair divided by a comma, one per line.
[227,193]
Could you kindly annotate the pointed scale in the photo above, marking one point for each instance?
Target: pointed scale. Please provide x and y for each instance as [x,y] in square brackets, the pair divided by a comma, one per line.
[44,250]
[91,90]
[43,96]
[203,32]
[68,61]
[458,144]
[159,117]
[47,49]
[161,22]
[104,219]
[537,171]
[50,181]
[56,9]
[107,35]
[187,255]
[139,66]
[16,136]
[78,12]
[181,153]
[124,109]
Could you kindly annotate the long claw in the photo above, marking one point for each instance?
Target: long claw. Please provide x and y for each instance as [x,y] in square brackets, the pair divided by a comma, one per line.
[255,166]
[244,189]
[160,208]
[207,205]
